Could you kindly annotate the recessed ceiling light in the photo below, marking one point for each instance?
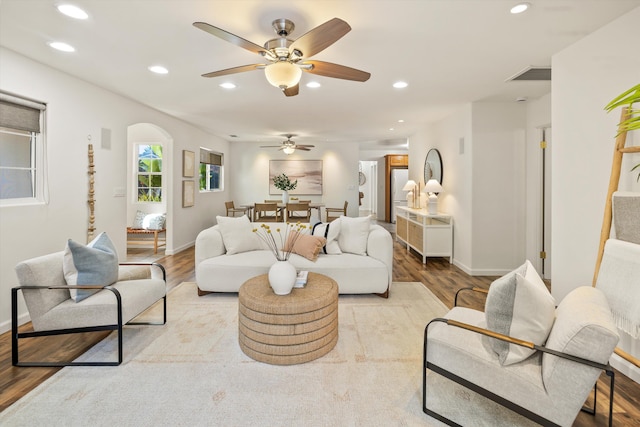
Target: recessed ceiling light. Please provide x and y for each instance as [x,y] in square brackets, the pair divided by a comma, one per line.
[313,84]
[400,121]
[228,85]
[519,8]
[72,11]
[400,85]
[391,129]
[158,69]
[62,47]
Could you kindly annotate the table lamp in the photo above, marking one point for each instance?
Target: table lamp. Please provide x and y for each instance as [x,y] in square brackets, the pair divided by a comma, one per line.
[410,186]
[432,187]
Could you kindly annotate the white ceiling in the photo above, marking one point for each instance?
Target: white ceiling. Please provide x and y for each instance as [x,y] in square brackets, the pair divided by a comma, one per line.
[450,52]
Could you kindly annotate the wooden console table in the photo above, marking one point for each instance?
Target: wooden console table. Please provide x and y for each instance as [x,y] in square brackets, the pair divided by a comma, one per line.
[288,329]
[429,235]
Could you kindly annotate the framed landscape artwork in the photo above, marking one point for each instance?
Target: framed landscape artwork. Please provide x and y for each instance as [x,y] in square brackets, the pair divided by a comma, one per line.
[308,173]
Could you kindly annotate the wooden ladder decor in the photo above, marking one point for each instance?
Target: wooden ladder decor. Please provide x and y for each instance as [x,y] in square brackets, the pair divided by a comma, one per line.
[614,180]
[618,151]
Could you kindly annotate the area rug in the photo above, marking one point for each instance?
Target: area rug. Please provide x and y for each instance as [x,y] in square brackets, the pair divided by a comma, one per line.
[191,372]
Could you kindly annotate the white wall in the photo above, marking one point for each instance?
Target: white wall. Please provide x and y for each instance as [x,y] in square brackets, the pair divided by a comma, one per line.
[250,173]
[497,181]
[76,109]
[586,76]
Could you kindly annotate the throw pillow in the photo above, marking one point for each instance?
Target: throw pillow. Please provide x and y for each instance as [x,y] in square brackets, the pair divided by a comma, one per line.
[330,231]
[354,233]
[145,221]
[93,264]
[138,221]
[519,305]
[305,245]
[154,221]
[237,234]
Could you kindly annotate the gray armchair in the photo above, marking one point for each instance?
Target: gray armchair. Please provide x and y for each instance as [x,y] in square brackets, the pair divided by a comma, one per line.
[53,312]
[463,381]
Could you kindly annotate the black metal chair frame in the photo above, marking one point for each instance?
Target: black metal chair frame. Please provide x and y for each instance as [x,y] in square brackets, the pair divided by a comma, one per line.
[492,396]
[16,335]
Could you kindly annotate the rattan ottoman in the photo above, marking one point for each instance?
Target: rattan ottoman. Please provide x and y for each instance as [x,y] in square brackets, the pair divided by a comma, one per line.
[288,329]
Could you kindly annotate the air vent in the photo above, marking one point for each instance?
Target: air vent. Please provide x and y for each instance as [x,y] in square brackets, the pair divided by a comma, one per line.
[532,73]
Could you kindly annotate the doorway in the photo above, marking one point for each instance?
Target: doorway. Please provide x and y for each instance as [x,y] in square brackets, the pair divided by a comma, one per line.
[368,184]
[545,200]
[158,200]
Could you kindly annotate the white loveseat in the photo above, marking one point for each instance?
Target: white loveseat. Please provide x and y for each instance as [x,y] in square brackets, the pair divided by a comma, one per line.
[218,271]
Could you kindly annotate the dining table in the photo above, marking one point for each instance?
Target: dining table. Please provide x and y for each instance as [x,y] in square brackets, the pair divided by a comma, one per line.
[283,208]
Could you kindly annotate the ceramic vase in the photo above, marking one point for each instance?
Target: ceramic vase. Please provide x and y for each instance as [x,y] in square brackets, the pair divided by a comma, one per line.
[285,197]
[282,277]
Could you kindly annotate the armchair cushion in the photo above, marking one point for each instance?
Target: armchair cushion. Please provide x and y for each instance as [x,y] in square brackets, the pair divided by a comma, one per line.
[519,305]
[93,264]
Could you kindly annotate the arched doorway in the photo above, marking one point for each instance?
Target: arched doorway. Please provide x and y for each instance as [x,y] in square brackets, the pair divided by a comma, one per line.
[140,137]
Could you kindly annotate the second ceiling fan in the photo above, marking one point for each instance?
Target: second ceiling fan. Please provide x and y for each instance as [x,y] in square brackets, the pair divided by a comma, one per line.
[289,146]
[288,58]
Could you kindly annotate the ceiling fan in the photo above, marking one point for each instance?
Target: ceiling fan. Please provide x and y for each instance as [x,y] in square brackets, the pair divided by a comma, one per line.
[289,146]
[288,58]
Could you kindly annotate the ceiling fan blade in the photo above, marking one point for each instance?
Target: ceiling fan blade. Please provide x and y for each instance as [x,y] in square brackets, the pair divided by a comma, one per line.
[292,91]
[329,69]
[320,38]
[233,70]
[232,38]
[301,148]
[271,146]
[304,145]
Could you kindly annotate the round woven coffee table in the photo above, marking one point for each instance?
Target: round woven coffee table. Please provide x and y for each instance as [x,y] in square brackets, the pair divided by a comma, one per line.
[288,329]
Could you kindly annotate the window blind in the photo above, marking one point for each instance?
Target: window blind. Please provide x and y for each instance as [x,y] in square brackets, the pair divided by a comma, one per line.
[210,158]
[19,113]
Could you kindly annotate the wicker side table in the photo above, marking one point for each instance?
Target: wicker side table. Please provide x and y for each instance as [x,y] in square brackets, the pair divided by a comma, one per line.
[288,329]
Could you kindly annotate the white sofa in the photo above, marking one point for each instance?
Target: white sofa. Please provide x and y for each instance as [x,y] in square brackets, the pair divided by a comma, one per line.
[216,271]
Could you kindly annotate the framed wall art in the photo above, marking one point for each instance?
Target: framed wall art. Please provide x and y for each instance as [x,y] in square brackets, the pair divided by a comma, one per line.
[308,173]
[188,163]
[188,193]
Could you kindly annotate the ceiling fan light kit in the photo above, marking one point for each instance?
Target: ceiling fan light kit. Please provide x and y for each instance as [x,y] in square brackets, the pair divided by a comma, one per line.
[283,74]
[288,58]
[289,146]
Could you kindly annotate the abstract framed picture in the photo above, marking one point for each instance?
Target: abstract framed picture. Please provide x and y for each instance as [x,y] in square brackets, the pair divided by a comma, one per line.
[308,173]
[188,193]
[188,163]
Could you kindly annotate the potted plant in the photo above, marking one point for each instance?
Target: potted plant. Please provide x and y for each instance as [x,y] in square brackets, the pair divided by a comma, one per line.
[282,182]
[632,120]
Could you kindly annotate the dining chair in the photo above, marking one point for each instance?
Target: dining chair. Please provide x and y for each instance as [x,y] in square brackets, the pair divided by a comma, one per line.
[267,212]
[298,212]
[231,209]
[280,208]
[336,212]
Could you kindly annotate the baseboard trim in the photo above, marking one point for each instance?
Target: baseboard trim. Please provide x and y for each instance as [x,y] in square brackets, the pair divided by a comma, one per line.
[22,319]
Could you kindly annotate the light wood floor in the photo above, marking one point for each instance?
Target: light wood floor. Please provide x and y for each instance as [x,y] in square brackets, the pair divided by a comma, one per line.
[442,278]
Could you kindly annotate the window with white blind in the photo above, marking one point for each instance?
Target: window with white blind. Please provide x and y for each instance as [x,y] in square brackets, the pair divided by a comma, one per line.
[21,150]
[211,167]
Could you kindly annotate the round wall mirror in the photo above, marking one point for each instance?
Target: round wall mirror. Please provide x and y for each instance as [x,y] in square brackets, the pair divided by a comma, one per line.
[433,166]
